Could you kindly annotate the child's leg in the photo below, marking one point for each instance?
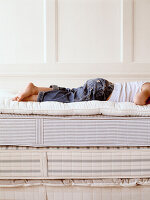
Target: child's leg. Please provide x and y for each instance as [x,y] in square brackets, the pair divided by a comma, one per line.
[30,90]
[142,97]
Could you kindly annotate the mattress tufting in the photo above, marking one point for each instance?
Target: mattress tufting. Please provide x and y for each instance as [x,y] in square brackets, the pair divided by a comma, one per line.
[72,190]
[116,182]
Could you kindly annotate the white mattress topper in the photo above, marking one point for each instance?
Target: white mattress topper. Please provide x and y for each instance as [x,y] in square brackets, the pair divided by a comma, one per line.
[76,108]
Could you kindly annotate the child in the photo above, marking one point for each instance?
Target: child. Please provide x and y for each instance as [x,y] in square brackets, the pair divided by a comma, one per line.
[94,89]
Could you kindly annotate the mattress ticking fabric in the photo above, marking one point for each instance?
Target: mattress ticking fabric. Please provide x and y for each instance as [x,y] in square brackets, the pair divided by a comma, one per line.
[76,108]
[74,163]
[97,130]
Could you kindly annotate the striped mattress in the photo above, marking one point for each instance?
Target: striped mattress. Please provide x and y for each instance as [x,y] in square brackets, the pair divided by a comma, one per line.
[95,173]
[89,158]
[74,163]
[96,130]
[85,173]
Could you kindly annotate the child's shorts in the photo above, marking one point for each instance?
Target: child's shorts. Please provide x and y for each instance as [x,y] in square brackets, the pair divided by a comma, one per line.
[93,89]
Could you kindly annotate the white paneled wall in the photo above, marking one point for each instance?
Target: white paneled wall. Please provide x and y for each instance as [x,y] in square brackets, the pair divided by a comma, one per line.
[89,31]
[66,42]
[142,31]
[21,32]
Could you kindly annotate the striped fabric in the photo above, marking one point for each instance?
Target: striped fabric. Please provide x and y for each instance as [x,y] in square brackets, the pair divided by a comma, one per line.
[74,163]
[35,130]
[19,164]
[100,168]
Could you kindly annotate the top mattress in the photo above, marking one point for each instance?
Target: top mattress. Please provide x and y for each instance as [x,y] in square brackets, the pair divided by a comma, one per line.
[76,108]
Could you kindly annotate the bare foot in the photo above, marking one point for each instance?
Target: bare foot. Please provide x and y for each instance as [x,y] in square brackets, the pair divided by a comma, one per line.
[31,98]
[31,89]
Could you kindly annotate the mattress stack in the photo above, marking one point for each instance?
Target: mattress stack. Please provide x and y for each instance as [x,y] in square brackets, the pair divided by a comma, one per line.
[84,157]
[74,173]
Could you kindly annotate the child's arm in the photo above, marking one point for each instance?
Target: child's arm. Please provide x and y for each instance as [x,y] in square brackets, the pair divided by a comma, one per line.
[142,97]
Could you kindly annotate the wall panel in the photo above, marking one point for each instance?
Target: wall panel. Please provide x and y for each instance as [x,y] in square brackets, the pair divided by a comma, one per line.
[21,31]
[88,31]
[142,31]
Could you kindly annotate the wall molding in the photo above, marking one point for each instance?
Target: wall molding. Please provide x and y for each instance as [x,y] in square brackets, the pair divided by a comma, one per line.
[76,76]
[127,31]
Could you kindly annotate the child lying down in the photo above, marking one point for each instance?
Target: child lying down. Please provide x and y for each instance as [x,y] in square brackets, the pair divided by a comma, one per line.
[94,89]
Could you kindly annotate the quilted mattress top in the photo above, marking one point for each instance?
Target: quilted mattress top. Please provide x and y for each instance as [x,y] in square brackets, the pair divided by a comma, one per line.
[77,108]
